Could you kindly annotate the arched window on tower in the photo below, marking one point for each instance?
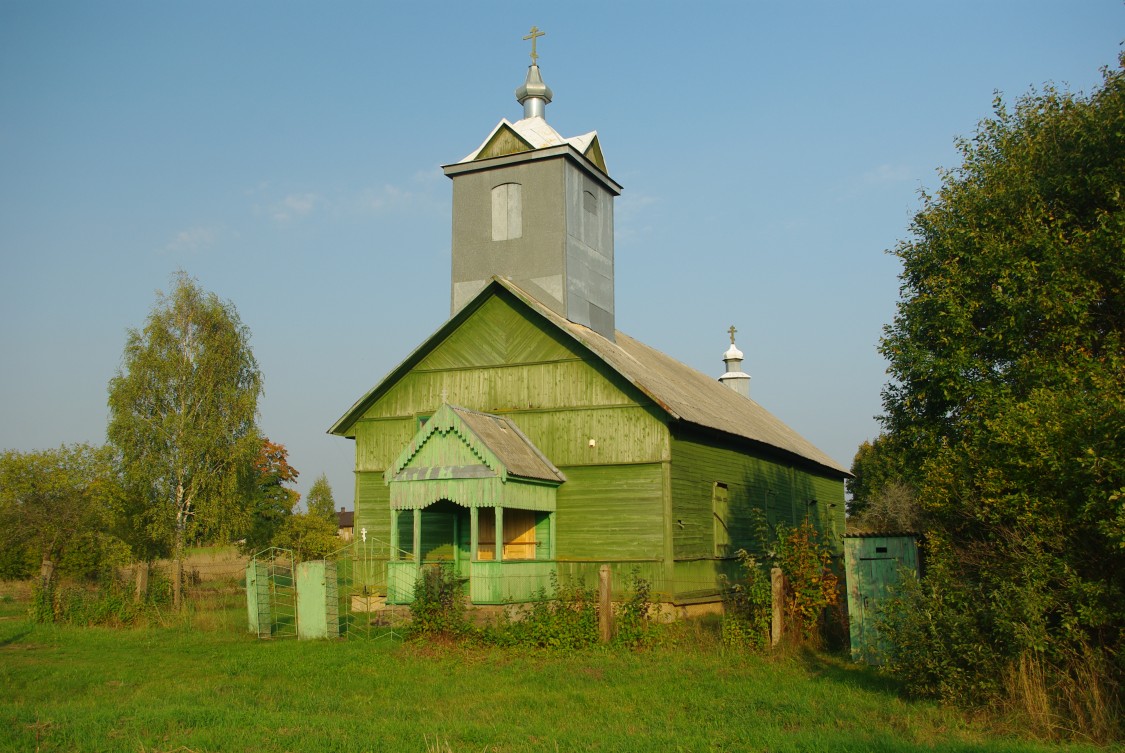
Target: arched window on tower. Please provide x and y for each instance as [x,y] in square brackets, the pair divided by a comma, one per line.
[507,212]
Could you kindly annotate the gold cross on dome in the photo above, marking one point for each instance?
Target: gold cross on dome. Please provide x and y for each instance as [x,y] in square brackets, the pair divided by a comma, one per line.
[732,330]
[534,35]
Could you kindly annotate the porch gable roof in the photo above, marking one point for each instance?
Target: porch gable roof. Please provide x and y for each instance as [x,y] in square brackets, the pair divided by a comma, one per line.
[467,457]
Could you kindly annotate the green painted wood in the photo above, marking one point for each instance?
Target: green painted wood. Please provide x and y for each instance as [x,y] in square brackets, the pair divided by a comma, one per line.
[585,574]
[317,600]
[379,441]
[874,567]
[372,505]
[498,334]
[401,577]
[702,579]
[258,598]
[610,509]
[543,536]
[753,482]
[508,582]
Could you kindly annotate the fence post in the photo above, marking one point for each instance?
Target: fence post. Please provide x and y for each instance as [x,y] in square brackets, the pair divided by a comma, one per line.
[605,605]
[777,597]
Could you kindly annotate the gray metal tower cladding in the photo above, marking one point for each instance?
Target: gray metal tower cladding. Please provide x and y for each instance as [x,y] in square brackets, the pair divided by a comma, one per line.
[536,208]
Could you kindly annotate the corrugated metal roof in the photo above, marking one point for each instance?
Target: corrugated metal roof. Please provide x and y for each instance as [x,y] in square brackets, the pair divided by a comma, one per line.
[687,394]
[510,445]
[538,133]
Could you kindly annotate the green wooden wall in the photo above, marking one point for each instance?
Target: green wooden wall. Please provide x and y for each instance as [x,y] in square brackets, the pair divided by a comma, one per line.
[783,490]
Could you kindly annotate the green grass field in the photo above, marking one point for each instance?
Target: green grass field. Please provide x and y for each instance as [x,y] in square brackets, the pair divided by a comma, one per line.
[201,683]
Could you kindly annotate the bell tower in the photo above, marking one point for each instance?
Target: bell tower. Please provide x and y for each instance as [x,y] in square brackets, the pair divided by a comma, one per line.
[537,209]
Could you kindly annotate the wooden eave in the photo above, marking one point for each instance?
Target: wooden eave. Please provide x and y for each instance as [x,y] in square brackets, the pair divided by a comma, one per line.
[503,450]
[563,151]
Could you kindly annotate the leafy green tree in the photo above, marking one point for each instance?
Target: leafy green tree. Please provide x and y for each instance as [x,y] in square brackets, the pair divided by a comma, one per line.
[56,505]
[876,464]
[273,501]
[183,408]
[310,536]
[1006,353]
[320,500]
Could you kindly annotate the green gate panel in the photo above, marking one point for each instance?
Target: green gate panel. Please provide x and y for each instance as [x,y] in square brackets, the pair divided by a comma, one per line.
[318,611]
[258,598]
[874,565]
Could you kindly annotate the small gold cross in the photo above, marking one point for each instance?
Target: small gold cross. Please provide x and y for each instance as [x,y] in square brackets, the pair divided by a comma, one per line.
[732,330]
[535,34]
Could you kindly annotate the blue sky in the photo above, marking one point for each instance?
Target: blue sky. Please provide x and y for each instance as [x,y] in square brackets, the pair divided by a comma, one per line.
[286,154]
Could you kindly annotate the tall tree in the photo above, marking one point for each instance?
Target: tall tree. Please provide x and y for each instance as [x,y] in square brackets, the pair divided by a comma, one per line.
[313,534]
[320,500]
[183,409]
[1007,404]
[273,501]
[52,501]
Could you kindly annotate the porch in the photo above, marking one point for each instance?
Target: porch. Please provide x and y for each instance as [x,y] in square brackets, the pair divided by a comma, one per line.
[472,493]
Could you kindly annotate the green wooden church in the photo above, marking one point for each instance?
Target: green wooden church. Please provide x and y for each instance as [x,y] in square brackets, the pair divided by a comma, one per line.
[527,437]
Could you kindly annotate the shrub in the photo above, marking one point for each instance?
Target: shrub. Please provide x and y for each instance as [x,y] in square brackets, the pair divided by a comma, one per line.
[983,629]
[634,615]
[747,606]
[568,620]
[812,585]
[109,602]
[439,606]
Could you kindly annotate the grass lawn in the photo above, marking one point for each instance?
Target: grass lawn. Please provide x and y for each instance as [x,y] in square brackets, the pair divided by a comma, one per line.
[202,683]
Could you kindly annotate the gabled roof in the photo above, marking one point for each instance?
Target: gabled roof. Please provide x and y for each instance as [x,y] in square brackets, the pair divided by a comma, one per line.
[495,440]
[535,133]
[684,393]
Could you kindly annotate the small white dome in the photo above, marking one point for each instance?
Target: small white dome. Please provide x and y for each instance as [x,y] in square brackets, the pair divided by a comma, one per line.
[732,354]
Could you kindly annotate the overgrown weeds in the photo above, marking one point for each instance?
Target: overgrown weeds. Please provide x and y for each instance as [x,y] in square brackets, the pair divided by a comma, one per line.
[438,608]
[633,624]
[811,594]
[565,616]
[748,606]
[109,602]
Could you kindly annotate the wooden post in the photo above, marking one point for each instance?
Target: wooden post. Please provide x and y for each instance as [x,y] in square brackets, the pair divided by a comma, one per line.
[777,596]
[418,536]
[605,604]
[551,555]
[142,582]
[394,535]
[499,556]
[474,533]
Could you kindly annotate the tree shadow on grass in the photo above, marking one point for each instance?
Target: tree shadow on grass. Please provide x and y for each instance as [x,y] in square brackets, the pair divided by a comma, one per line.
[10,639]
[839,669]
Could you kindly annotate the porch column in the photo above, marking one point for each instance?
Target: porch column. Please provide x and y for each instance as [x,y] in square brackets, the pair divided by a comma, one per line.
[456,542]
[417,535]
[499,533]
[474,533]
[394,535]
[553,534]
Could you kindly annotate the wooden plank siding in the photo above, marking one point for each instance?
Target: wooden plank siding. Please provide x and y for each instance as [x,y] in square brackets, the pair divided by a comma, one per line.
[613,508]
[782,490]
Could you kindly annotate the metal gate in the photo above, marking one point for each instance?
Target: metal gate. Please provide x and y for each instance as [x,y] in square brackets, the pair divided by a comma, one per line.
[271,594]
[361,569]
[341,596]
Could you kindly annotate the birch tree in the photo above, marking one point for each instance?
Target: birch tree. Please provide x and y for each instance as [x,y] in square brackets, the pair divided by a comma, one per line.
[183,409]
